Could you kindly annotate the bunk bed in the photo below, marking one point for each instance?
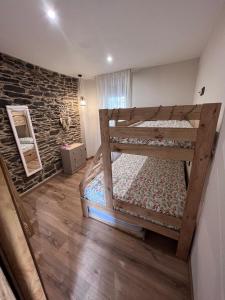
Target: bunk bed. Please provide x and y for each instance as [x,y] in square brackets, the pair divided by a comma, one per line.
[146,186]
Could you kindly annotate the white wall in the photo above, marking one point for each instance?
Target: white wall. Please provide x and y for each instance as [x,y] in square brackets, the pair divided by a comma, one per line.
[166,85]
[90,117]
[208,253]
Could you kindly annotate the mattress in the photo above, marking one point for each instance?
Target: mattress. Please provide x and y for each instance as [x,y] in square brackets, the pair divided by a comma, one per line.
[158,142]
[26,147]
[26,143]
[26,140]
[148,182]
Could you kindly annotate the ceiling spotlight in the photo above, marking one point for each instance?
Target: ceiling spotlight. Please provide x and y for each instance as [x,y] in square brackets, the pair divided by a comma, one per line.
[51,14]
[109,59]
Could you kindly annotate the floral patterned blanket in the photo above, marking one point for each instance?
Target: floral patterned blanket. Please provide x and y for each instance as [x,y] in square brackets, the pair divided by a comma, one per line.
[148,182]
[162,142]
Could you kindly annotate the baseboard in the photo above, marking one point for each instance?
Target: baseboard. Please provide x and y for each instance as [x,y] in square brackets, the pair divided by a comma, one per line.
[190,278]
[40,183]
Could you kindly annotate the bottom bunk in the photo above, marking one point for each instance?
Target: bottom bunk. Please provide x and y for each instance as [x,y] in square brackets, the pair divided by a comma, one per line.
[151,185]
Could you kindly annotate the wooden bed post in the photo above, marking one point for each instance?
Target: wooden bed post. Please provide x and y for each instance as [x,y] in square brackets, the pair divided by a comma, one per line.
[202,156]
[106,156]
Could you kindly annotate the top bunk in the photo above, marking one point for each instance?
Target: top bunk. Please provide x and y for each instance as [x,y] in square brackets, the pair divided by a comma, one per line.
[120,136]
[143,131]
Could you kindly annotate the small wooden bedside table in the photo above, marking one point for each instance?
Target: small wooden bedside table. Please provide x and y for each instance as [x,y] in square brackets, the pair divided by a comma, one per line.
[73,157]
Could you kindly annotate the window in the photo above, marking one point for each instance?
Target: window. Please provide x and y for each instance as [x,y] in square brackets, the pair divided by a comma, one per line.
[114,90]
[117,102]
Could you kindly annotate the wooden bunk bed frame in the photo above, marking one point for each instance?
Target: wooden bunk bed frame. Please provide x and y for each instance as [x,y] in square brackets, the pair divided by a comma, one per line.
[202,135]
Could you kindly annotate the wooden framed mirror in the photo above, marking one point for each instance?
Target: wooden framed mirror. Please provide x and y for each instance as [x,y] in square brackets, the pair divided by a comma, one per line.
[22,128]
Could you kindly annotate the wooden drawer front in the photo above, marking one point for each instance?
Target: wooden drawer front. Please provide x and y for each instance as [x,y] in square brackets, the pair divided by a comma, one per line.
[73,159]
[78,157]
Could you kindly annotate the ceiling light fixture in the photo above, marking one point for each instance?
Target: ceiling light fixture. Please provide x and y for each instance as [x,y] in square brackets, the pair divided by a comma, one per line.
[109,59]
[51,14]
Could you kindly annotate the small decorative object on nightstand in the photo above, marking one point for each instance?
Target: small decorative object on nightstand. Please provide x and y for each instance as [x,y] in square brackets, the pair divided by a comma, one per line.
[73,157]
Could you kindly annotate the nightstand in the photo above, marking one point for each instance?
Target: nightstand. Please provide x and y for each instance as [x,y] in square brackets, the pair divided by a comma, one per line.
[73,157]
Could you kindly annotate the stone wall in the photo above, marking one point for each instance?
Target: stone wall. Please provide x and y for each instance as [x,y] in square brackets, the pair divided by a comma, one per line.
[45,93]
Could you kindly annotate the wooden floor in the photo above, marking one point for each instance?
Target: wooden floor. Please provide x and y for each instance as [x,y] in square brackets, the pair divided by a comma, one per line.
[80,258]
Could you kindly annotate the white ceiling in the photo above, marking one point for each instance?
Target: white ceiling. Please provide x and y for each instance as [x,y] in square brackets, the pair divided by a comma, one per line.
[137,33]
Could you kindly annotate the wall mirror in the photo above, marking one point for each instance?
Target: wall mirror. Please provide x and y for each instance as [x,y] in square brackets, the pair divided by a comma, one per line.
[22,128]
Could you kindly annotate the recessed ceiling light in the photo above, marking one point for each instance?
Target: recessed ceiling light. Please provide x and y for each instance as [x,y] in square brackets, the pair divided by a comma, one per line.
[109,59]
[51,14]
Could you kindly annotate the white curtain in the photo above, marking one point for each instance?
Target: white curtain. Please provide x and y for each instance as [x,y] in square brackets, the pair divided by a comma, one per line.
[114,89]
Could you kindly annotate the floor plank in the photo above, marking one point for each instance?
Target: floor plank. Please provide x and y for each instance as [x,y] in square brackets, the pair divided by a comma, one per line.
[80,258]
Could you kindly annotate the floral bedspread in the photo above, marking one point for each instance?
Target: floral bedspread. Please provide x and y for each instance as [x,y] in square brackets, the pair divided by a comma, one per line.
[148,182]
[162,142]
